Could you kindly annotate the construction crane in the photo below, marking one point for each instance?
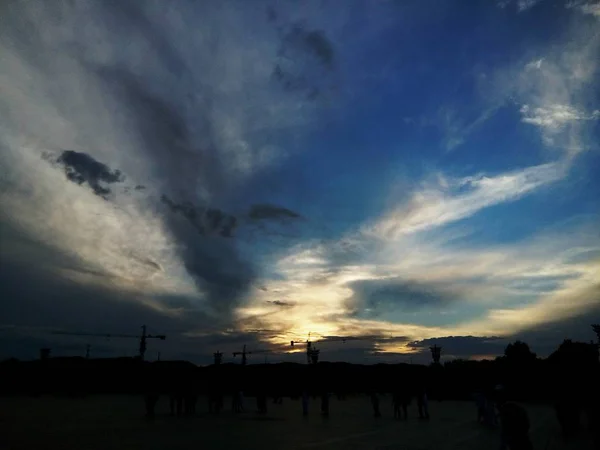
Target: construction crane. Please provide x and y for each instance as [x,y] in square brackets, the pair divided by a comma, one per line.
[312,353]
[218,356]
[143,337]
[245,352]
[436,353]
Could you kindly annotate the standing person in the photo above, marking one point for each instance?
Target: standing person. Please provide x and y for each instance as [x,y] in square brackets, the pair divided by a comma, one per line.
[422,402]
[405,399]
[261,402]
[396,404]
[236,401]
[325,404]
[490,406]
[515,426]
[480,404]
[176,404]
[151,394]
[241,400]
[375,404]
[305,403]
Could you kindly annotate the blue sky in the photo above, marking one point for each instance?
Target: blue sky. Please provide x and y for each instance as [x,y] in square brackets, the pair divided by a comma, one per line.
[418,169]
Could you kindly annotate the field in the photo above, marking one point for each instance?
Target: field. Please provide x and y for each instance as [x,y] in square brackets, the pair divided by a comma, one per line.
[118,423]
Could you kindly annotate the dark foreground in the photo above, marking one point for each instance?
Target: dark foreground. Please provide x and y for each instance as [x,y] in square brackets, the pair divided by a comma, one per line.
[117,422]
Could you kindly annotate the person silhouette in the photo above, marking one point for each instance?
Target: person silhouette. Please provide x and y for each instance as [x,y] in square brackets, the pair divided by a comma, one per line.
[305,403]
[422,402]
[375,404]
[325,404]
[515,426]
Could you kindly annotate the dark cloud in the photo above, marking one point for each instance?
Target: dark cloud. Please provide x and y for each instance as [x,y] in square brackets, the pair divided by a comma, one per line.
[313,42]
[204,220]
[463,346]
[541,283]
[306,62]
[165,134]
[128,17]
[81,168]
[223,276]
[373,298]
[271,14]
[220,273]
[363,340]
[147,262]
[266,211]
[281,303]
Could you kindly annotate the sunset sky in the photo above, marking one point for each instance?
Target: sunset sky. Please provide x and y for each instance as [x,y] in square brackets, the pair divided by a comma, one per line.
[412,172]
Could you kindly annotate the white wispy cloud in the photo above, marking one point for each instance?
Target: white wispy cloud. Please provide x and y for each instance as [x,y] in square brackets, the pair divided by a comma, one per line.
[553,91]
[585,7]
[456,131]
[436,206]
[553,118]
[524,5]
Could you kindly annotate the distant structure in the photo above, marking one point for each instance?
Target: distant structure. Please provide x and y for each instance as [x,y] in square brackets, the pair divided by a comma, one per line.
[245,352]
[313,355]
[143,338]
[312,352]
[436,353]
[87,351]
[218,356]
[44,353]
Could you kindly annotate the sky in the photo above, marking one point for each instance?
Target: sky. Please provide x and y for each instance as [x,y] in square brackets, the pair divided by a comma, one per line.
[245,173]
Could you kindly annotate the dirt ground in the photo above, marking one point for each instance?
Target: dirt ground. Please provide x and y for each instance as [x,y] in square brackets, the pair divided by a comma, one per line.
[117,423]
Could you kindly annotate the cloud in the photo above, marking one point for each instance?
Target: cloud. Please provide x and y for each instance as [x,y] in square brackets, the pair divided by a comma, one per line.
[503,289]
[524,5]
[280,303]
[537,64]
[458,132]
[264,211]
[205,220]
[463,346]
[81,168]
[554,91]
[585,7]
[553,118]
[376,298]
[189,118]
[436,206]
[306,61]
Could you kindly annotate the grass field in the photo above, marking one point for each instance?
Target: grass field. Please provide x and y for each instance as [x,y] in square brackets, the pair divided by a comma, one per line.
[118,423]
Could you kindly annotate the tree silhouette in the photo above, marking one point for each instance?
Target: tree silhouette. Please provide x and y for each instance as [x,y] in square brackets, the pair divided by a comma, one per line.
[575,356]
[518,352]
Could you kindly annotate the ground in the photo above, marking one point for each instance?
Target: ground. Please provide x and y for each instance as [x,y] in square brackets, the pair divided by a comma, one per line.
[117,423]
